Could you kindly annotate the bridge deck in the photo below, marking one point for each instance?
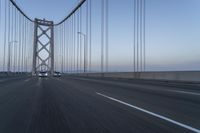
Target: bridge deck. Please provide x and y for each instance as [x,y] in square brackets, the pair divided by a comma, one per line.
[74,105]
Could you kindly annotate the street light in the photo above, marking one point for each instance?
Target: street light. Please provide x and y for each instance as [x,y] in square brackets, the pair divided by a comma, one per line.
[9,58]
[84,35]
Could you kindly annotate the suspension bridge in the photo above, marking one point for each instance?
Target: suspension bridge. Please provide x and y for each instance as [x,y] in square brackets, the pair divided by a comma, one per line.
[90,95]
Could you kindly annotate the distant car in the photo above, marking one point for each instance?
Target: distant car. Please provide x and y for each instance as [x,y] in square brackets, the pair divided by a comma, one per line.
[43,74]
[57,74]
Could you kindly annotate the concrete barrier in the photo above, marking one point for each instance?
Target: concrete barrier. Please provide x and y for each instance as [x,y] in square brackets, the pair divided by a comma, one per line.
[185,76]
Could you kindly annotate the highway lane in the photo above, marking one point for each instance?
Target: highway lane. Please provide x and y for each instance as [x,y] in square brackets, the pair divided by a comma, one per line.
[71,104]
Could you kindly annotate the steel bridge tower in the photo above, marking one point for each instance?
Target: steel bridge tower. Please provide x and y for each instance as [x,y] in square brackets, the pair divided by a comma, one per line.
[43,47]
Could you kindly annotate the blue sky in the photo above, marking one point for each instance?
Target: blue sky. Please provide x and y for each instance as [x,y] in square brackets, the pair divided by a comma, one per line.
[172,36]
[54,10]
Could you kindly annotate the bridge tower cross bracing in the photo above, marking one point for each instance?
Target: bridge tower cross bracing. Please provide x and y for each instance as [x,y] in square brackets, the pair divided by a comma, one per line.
[43,47]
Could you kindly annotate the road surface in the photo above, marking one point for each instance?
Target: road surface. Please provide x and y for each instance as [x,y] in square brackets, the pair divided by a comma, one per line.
[86,105]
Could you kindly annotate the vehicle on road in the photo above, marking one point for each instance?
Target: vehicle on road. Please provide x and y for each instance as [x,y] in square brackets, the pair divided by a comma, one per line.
[43,74]
[57,74]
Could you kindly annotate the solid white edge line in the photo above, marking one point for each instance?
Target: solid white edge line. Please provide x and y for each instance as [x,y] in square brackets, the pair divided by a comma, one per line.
[153,114]
[186,92]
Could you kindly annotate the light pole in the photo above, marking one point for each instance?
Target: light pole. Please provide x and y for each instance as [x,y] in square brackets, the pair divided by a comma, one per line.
[84,35]
[9,58]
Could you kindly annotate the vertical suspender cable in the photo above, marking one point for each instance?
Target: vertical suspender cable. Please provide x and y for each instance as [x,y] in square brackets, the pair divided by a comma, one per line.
[12,35]
[60,45]
[5,36]
[75,42]
[107,35]
[102,37]
[1,32]
[66,30]
[75,46]
[22,41]
[70,44]
[63,43]
[144,34]
[28,44]
[73,18]
[0,15]
[138,36]
[90,16]
[24,45]
[78,40]
[26,36]
[17,32]
[57,53]
[18,57]
[20,44]
[15,38]
[64,58]
[8,37]
[58,48]
[62,48]
[60,52]
[81,40]
[55,46]
[86,37]
[134,45]
[141,35]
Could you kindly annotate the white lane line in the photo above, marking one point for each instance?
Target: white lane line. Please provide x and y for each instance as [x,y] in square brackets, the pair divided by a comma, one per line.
[185,92]
[39,82]
[154,89]
[27,80]
[153,114]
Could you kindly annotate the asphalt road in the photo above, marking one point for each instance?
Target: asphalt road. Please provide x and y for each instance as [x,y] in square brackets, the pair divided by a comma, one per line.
[85,105]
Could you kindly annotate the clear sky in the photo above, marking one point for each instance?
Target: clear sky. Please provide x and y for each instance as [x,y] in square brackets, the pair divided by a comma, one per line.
[172,36]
